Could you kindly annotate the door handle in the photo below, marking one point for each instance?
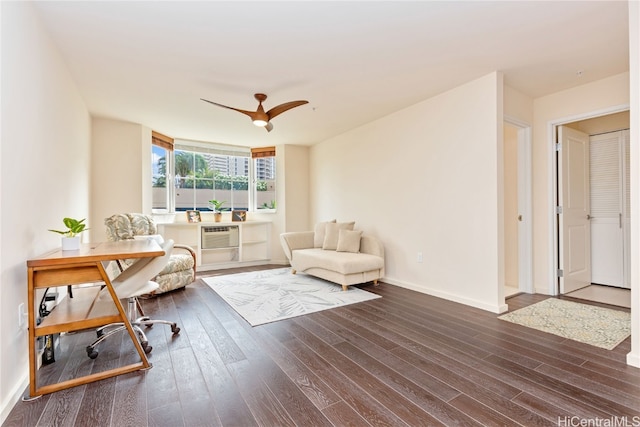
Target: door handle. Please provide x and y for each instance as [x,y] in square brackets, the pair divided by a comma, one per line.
[519,217]
[588,217]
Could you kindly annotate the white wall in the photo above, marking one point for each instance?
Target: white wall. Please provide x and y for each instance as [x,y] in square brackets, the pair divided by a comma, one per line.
[296,183]
[425,179]
[44,172]
[120,171]
[633,358]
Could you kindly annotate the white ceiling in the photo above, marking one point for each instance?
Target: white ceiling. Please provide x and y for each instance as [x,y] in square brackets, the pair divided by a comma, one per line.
[150,62]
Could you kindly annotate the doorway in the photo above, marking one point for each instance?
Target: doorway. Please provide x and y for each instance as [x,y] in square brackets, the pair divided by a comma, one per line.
[592,210]
[518,214]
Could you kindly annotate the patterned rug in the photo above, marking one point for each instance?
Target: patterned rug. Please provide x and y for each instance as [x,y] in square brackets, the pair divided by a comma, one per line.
[597,326]
[270,295]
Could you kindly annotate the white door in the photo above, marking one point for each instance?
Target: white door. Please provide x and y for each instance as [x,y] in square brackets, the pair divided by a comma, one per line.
[574,215]
[609,171]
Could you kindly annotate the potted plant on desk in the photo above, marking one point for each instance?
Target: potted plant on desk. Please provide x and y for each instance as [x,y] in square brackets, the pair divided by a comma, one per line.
[215,206]
[71,236]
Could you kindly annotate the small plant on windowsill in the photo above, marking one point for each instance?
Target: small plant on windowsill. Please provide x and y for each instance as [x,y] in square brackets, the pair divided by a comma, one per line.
[71,236]
[216,206]
[270,205]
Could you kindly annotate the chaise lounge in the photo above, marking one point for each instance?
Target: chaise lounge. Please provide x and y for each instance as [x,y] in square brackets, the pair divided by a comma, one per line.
[335,252]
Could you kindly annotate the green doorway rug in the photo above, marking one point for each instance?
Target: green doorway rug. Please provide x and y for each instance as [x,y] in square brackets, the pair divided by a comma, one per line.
[597,326]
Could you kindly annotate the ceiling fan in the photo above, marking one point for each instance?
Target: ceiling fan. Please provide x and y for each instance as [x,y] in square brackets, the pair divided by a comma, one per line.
[259,117]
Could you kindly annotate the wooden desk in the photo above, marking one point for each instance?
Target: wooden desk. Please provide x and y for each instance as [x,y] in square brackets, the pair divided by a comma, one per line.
[86,265]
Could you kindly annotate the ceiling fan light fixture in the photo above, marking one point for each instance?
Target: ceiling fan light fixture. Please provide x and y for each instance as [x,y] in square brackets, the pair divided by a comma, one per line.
[260,117]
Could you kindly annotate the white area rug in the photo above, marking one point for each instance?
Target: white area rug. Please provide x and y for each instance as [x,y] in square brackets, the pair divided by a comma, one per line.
[270,295]
[597,326]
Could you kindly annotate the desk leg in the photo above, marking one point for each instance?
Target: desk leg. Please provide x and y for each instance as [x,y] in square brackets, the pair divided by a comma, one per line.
[125,318]
[32,333]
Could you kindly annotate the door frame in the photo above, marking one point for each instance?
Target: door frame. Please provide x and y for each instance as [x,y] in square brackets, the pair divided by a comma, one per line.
[554,283]
[525,204]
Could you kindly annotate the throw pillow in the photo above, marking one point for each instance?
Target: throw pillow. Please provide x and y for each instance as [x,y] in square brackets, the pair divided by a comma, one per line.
[332,233]
[319,233]
[349,241]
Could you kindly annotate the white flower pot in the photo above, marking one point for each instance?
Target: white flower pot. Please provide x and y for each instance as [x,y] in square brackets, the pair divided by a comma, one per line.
[71,243]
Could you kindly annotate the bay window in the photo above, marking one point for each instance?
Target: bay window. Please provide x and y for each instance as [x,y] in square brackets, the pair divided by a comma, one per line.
[243,178]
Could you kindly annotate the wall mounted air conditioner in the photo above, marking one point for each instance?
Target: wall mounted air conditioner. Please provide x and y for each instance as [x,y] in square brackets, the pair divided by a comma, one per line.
[217,237]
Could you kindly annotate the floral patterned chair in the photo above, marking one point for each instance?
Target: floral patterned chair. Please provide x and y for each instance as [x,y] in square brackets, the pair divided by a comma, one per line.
[181,268]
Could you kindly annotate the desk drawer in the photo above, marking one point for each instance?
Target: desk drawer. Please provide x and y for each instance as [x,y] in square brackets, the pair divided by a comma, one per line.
[52,276]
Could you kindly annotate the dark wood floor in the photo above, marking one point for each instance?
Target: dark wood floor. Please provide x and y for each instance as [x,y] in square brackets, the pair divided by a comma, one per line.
[405,359]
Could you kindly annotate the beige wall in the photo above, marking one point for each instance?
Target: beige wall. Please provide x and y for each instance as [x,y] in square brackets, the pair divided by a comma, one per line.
[44,172]
[566,106]
[425,179]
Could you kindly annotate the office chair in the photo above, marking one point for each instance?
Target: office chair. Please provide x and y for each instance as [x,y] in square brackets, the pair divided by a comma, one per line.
[130,284]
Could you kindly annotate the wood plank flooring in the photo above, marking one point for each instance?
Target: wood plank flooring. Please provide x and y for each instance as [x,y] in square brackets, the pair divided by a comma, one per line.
[406,359]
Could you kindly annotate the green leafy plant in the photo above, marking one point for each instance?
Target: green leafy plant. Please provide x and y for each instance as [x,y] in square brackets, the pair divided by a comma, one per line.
[270,205]
[74,227]
[216,204]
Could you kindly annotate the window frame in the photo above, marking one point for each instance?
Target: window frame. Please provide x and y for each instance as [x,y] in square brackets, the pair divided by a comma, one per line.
[165,143]
[198,147]
[255,192]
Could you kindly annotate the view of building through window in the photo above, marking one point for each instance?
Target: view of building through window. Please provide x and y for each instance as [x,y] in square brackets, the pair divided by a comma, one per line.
[160,195]
[199,176]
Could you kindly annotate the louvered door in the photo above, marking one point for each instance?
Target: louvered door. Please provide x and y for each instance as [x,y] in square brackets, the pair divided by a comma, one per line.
[609,182]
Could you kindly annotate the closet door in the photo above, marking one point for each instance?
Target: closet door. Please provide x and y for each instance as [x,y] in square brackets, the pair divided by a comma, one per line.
[608,209]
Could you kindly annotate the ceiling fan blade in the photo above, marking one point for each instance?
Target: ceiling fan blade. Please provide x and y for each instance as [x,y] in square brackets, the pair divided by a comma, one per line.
[248,113]
[268,127]
[279,109]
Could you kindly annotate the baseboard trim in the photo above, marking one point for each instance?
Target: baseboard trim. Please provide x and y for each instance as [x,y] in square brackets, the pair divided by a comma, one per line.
[502,308]
[633,359]
[236,264]
[16,395]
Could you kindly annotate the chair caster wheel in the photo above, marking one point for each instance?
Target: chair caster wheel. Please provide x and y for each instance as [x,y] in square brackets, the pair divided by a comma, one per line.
[146,347]
[91,352]
[175,329]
